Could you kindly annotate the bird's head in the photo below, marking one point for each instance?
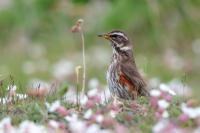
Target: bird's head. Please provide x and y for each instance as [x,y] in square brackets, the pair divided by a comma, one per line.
[118,39]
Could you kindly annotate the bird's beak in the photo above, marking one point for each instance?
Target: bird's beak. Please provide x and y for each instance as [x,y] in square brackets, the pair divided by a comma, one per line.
[106,36]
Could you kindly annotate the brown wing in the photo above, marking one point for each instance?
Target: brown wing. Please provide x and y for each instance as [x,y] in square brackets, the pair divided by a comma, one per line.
[127,84]
[131,74]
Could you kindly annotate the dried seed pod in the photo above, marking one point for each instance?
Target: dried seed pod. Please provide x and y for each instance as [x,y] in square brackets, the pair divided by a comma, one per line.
[77,26]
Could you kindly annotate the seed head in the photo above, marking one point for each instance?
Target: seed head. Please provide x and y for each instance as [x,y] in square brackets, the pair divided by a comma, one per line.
[77,26]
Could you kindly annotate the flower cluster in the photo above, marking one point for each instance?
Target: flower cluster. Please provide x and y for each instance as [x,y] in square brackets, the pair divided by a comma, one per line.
[12,95]
[161,100]
[97,113]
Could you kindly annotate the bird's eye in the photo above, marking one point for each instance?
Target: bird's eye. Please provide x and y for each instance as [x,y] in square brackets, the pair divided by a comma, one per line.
[114,36]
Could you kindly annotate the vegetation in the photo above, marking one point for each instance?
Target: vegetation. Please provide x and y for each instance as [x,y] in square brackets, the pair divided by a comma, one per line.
[39,54]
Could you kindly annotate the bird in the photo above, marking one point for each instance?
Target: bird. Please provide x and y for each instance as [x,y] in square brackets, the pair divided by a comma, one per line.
[123,78]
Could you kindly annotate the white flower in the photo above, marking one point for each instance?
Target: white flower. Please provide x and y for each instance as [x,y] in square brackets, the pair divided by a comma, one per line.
[53,106]
[166,88]
[94,128]
[160,126]
[106,131]
[84,99]
[93,92]
[165,114]
[12,88]
[73,117]
[71,97]
[155,93]
[6,120]
[4,100]
[21,96]
[180,88]
[54,124]
[5,126]
[76,125]
[163,104]
[88,114]
[99,118]
[191,112]
[113,113]
[30,127]
[105,95]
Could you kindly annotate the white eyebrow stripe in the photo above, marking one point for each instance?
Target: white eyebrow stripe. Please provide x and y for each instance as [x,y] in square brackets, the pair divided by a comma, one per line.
[120,34]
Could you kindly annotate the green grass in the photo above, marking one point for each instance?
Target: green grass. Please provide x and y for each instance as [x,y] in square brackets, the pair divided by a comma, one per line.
[34,109]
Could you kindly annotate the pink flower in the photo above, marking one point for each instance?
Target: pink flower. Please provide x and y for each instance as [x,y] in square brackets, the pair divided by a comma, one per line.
[168,97]
[62,125]
[119,128]
[160,110]
[164,94]
[8,127]
[108,122]
[95,99]
[90,104]
[158,115]
[154,102]
[183,117]
[113,107]
[62,111]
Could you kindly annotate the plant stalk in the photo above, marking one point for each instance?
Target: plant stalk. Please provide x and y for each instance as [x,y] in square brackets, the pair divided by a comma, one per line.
[84,64]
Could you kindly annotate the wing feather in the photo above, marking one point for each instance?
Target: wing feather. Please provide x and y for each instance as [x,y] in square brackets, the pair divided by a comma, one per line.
[131,73]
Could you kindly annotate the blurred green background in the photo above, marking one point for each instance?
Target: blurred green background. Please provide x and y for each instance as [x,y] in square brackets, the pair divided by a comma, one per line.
[36,41]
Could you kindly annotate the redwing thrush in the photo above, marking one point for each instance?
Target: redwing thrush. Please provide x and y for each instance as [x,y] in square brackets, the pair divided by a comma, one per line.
[123,78]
